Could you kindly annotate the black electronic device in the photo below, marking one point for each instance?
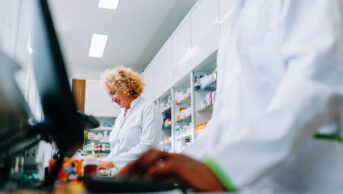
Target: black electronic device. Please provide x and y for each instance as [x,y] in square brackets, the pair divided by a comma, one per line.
[125,184]
[61,120]
[87,121]
[57,101]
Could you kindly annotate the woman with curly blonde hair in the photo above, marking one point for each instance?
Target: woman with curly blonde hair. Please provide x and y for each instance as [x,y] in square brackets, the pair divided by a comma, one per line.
[138,126]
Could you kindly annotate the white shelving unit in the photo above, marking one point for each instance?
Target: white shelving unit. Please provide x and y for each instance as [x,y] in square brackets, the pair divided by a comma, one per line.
[190,52]
[204,92]
[196,98]
[183,114]
[97,140]
[165,105]
[102,129]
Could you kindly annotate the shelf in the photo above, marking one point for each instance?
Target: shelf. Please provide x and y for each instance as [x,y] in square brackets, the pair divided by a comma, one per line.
[208,108]
[183,136]
[97,140]
[209,87]
[185,101]
[185,119]
[101,129]
[101,152]
[182,88]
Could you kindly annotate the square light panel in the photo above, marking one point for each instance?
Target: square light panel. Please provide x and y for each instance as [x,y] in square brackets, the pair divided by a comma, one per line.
[108,4]
[98,44]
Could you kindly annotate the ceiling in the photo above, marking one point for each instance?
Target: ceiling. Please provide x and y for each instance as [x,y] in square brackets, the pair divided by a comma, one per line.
[136,30]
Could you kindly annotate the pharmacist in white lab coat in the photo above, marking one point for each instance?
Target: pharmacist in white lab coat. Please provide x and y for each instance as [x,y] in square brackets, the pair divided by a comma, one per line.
[280,80]
[138,126]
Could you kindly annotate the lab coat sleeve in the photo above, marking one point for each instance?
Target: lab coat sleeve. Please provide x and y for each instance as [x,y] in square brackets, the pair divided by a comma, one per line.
[309,94]
[151,131]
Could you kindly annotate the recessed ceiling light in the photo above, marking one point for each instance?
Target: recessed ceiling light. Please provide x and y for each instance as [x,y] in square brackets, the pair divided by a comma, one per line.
[98,45]
[108,4]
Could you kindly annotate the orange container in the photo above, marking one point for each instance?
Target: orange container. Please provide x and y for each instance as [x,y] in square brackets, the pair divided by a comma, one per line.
[71,169]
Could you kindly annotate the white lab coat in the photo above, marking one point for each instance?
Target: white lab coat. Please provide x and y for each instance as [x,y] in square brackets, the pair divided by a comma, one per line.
[43,156]
[280,78]
[135,133]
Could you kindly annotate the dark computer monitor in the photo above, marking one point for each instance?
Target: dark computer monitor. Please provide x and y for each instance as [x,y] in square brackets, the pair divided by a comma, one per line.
[61,120]
[60,114]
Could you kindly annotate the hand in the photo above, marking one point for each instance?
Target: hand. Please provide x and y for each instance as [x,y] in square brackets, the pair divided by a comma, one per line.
[105,165]
[125,170]
[162,165]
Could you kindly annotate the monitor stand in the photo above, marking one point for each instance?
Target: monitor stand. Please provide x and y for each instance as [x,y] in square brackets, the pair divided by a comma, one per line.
[51,178]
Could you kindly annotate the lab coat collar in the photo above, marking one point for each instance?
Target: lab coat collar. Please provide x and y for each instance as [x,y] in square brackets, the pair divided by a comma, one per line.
[132,105]
[134,102]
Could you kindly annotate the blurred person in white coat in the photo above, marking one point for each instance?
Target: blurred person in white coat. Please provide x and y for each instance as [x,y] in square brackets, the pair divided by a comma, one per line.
[280,80]
[138,126]
[43,156]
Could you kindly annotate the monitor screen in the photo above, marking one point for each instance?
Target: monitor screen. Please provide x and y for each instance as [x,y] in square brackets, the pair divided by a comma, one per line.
[52,82]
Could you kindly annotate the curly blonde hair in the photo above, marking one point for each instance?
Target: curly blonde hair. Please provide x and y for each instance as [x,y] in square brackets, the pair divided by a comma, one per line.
[124,79]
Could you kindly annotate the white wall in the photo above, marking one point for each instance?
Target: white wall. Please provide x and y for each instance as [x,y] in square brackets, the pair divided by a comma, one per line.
[98,103]
[15,27]
[87,72]
[194,40]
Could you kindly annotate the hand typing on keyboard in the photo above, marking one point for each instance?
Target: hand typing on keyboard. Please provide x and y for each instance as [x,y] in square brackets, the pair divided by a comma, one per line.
[160,165]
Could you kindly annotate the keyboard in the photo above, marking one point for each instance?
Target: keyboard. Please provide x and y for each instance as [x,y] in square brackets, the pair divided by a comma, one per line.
[125,184]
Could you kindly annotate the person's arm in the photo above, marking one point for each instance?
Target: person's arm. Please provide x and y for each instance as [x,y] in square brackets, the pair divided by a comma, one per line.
[151,131]
[309,94]
[188,172]
[107,162]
